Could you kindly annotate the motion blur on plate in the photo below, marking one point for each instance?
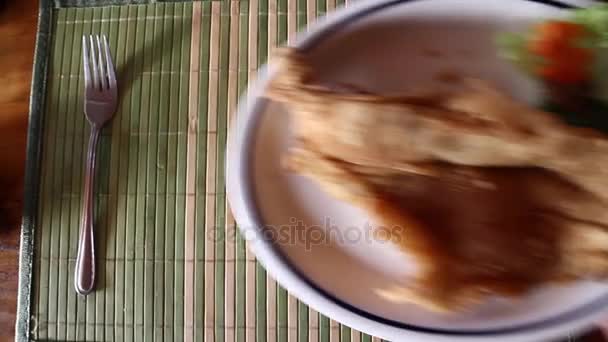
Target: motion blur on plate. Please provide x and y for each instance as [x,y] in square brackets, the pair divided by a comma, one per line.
[448,168]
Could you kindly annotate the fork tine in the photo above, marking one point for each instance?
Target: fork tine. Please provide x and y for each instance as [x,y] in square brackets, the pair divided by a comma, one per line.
[85,62]
[95,71]
[109,64]
[103,77]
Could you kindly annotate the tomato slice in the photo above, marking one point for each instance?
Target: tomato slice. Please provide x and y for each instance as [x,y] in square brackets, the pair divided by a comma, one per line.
[564,61]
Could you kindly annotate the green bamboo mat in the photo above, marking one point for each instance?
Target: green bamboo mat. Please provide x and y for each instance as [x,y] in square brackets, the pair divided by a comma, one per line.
[171,265]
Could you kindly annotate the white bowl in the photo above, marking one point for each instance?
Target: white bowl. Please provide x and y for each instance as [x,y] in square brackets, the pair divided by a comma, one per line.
[386,46]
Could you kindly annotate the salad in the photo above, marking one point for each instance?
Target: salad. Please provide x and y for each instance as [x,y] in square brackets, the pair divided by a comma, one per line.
[570,57]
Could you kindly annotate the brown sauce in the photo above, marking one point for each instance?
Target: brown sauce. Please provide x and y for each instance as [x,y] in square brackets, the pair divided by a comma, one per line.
[480,230]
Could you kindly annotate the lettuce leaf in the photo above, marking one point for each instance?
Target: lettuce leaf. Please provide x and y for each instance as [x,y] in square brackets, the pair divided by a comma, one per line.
[595,19]
[512,47]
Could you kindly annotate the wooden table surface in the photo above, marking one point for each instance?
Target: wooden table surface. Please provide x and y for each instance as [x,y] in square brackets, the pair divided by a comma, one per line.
[18,19]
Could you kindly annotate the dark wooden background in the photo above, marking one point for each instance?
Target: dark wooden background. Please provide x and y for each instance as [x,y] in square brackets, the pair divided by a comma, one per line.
[17,35]
[18,20]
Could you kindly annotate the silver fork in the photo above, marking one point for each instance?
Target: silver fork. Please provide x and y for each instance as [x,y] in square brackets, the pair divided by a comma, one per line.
[100,99]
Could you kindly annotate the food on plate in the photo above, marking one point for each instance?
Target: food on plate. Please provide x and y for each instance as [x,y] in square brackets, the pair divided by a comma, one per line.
[555,51]
[490,196]
[569,56]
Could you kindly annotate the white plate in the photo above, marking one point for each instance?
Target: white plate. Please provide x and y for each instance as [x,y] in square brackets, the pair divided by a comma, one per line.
[384,46]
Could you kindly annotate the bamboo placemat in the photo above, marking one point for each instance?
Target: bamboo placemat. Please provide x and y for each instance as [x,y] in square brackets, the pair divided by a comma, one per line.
[171,265]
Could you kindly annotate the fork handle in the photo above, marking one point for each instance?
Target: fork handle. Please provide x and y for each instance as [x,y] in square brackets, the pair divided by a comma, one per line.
[84,278]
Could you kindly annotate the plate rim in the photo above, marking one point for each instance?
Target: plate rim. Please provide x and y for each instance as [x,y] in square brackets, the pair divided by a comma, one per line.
[241,196]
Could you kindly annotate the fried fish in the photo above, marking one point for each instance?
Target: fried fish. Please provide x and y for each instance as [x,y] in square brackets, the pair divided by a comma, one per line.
[489,196]
[475,126]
